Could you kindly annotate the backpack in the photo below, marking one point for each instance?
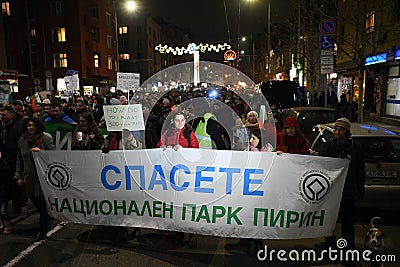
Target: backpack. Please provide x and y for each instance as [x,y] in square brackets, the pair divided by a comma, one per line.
[186,134]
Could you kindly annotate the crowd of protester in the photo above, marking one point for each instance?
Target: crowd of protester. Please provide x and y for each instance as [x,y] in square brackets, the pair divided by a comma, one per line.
[175,119]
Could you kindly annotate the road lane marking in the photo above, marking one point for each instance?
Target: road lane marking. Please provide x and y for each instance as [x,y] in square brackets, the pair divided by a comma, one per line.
[29,249]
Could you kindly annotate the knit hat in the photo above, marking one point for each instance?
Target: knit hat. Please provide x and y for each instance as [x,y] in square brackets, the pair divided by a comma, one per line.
[252,112]
[291,122]
[343,122]
[18,102]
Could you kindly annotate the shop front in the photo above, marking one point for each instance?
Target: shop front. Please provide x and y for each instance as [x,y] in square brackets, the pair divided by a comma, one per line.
[391,105]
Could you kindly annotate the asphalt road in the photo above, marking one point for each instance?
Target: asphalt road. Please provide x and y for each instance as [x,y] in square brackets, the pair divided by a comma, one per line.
[86,245]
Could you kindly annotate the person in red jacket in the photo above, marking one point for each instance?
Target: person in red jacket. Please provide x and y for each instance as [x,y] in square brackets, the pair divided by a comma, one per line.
[178,135]
[292,140]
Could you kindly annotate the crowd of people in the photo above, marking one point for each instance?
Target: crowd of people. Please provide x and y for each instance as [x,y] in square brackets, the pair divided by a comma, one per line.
[176,119]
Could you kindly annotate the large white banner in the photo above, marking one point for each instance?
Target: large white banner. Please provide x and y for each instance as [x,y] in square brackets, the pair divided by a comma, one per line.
[222,193]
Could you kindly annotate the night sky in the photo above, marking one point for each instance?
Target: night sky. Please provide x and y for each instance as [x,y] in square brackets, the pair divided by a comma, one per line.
[217,20]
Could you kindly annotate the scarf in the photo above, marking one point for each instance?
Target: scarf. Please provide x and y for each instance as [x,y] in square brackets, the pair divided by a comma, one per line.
[86,131]
[292,144]
[248,124]
[34,140]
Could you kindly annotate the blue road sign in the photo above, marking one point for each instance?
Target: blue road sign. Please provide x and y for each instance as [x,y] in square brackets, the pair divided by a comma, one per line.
[326,42]
[327,26]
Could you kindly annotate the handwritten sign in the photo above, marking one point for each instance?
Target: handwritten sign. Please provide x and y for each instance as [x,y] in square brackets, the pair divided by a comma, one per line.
[128,81]
[121,117]
[72,83]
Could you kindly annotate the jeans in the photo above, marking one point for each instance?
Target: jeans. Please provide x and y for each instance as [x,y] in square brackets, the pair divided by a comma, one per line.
[4,214]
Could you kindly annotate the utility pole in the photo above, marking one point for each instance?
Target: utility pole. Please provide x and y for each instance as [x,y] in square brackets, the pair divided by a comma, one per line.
[252,39]
[269,40]
[116,36]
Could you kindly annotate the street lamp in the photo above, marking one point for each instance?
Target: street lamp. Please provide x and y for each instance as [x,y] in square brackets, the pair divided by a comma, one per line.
[130,6]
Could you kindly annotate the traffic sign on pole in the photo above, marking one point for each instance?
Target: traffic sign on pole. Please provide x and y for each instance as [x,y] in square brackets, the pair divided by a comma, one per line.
[327,26]
[326,41]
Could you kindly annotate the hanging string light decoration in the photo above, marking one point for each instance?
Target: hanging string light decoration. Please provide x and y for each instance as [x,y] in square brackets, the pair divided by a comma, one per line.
[165,49]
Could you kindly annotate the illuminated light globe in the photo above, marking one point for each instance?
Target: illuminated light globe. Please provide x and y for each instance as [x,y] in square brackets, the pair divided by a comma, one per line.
[191,48]
[215,80]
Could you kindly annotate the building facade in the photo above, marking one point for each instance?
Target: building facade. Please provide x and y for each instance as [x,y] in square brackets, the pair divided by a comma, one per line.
[44,42]
[366,63]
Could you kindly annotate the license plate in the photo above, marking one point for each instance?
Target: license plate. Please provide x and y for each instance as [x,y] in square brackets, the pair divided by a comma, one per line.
[381,173]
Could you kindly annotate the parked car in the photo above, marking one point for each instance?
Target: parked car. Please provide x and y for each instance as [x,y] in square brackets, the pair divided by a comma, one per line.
[308,117]
[381,149]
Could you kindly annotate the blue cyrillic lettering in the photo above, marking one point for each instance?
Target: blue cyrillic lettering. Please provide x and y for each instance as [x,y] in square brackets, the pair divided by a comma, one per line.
[172,177]
[104,177]
[229,172]
[128,176]
[154,181]
[247,182]
[200,178]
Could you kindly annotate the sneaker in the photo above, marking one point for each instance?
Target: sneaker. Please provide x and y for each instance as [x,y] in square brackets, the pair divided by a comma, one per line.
[7,227]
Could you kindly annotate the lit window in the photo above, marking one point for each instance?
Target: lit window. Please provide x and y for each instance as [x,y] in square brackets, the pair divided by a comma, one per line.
[109,62]
[96,61]
[33,32]
[123,30]
[124,56]
[59,35]
[5,8]
[60,60]
[370,22]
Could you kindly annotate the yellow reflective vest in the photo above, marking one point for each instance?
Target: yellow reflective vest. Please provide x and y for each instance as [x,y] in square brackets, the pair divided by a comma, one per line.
[201,132]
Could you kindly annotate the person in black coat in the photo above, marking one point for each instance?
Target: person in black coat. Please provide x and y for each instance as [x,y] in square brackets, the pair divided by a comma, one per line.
[214,129]
[6,182]
[10,132]
[342,146]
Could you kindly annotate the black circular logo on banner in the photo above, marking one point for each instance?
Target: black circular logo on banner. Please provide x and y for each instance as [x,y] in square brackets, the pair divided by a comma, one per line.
[58,176]
[314,185]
